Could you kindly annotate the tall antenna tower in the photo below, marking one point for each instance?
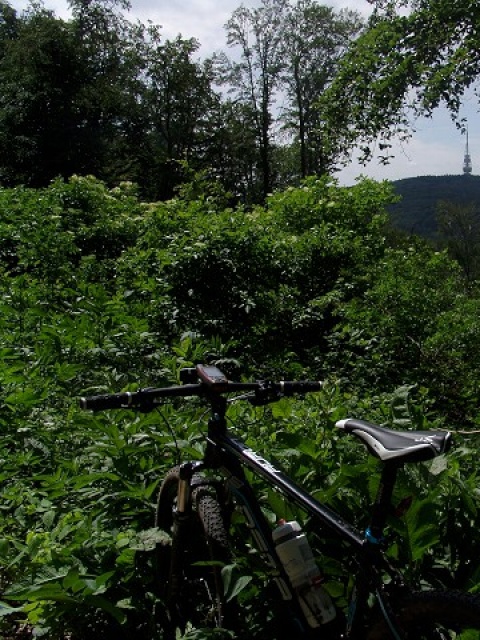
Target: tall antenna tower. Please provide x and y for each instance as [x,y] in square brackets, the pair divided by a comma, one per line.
[467,161]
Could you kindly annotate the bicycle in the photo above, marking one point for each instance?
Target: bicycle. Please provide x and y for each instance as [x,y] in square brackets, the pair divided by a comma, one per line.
[196,500]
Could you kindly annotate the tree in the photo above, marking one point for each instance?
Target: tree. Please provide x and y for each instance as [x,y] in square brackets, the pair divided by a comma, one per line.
[110,100]
[66,93]
[459,225]
[414,56]
[178,99]
[314,37]
[289,53]
[232,152]
[8,25]
[39,78]
[258,33]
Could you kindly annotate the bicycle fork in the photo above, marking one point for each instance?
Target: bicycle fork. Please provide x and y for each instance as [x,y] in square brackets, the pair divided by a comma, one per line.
[181,526]
[185,484]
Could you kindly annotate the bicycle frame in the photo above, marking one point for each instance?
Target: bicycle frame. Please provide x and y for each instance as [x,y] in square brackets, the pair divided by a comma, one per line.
[229,454]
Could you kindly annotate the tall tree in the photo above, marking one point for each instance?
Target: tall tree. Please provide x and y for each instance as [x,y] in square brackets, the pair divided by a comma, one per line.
[232,152]
[289,54]
[39,77]
[179,100]
[179,95]
[314,37]
[111,57]
[8,25]
[256,76]
[65,93]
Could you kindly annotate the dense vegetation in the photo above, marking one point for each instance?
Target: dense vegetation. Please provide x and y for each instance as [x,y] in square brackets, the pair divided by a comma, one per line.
[103,289]
[103,292]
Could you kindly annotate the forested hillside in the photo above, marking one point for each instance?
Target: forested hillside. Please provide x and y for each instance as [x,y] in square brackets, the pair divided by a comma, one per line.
[418,208]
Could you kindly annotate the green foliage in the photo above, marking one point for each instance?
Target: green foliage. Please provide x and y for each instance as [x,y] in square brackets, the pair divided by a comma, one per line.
[402,328]
[49,233]
[237,274]
[100,95]
[460,229]
[100,293]
[314,37]
[289,49]
[66,87]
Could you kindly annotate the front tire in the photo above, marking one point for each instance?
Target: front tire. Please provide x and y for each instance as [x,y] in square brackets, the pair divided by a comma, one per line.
[189,565]
[434,615]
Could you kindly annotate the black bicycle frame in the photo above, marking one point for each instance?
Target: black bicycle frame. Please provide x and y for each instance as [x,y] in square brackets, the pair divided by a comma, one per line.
[230,454]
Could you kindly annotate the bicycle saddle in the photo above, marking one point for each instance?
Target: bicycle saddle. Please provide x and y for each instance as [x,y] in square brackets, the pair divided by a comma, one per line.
[402,446]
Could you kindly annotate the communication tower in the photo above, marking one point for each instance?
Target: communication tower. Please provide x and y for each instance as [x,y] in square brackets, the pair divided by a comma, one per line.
[467,161]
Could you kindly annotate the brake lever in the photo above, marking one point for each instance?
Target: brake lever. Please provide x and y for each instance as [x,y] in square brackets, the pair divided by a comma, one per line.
[266,393]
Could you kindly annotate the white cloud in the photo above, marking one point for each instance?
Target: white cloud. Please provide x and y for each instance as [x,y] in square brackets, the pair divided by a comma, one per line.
[200,19]
[205,19]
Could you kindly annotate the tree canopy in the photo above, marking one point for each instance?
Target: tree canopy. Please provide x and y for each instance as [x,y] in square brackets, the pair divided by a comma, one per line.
[415,56]
[289,50]
[97,94]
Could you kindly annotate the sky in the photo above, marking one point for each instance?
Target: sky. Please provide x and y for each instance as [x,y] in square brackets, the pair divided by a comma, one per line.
[436,148]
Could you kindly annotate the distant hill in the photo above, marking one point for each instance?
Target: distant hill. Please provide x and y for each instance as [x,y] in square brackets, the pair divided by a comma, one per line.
[417,210]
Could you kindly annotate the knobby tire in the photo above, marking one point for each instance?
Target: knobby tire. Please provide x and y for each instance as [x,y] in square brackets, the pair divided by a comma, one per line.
[189,565]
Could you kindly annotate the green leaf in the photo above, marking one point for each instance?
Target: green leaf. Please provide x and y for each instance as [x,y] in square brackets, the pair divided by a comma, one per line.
[148,539]
[282,409]
[232,586]
[105,605]
[439,465]
[238,586]
[6,609]
[53,591]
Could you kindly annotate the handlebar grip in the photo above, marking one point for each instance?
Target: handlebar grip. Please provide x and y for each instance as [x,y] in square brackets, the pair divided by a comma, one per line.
[289,388]
[110,401]
[143,400]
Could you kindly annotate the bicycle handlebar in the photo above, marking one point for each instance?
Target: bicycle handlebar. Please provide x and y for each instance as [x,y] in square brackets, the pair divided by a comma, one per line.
[147,399]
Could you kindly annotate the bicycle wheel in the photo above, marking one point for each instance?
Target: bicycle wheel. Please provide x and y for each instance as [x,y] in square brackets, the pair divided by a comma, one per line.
[435,615]
[189,564]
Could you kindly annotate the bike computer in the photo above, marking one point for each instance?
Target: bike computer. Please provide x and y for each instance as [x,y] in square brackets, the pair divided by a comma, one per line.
[211,375]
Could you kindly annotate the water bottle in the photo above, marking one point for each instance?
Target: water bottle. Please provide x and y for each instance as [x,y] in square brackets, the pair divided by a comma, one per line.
[297,559]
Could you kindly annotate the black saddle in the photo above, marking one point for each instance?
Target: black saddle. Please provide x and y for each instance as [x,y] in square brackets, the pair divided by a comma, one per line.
[399,446]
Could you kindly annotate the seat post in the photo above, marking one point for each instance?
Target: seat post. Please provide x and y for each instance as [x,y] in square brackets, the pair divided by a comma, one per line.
[383,503]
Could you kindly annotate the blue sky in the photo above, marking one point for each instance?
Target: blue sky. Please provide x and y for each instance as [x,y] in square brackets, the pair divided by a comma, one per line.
[436,148]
